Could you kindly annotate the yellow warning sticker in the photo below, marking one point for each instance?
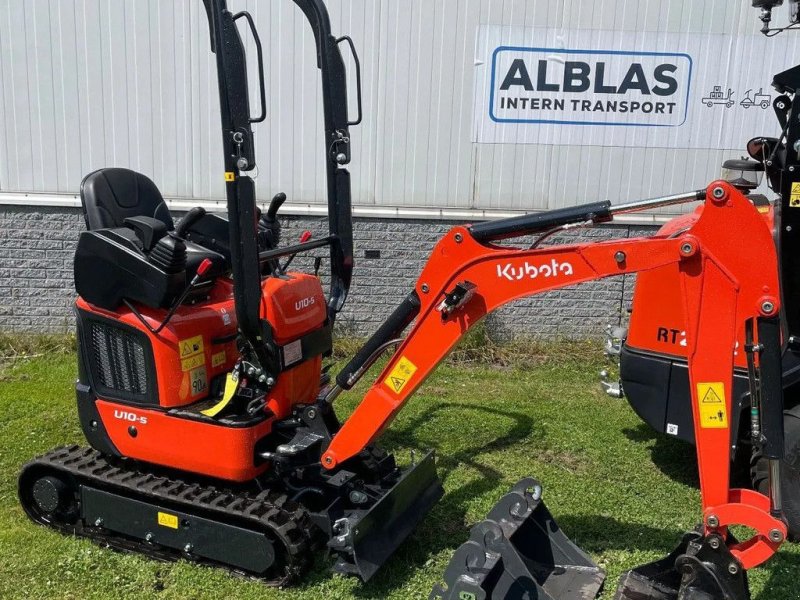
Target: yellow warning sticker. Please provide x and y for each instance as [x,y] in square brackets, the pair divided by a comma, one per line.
[191,346]
[167,520]
[713,408]
[187,364]
[199,381]
[230,176]
[794,200]
[218,359]
[400,375]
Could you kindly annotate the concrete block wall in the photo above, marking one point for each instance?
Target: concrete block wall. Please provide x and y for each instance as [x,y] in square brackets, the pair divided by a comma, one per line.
[37,292]
[36,250]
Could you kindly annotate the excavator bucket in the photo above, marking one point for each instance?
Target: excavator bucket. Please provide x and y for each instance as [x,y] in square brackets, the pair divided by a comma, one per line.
[520,552]
[700,568]
[364,540]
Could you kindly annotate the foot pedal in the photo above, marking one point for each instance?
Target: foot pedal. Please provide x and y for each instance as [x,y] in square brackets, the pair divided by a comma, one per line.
[701,568]
[520,552]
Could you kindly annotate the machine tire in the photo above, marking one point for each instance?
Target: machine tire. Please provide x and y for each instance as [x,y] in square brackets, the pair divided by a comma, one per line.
[790,472]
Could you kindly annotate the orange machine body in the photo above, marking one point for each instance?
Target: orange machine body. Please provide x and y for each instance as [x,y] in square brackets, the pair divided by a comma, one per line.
[182,369]
[663,331]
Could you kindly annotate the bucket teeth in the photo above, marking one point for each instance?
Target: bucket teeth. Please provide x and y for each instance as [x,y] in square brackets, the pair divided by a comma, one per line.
[520,552]
[700,568]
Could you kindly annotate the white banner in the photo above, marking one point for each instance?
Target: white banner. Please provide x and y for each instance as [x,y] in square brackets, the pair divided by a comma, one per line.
[626,89]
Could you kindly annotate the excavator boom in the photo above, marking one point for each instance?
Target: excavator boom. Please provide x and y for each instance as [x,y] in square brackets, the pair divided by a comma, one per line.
[729,278]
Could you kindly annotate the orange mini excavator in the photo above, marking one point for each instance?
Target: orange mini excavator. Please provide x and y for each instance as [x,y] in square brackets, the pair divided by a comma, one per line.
[203,395]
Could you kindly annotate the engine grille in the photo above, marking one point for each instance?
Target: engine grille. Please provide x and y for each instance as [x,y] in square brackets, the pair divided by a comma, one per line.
[119,360]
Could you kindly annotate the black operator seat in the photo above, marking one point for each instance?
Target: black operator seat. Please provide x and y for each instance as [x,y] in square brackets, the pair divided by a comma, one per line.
[126,252]
[112,195]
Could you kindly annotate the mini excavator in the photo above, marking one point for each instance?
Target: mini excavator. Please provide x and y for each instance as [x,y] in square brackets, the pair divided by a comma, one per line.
[203,395]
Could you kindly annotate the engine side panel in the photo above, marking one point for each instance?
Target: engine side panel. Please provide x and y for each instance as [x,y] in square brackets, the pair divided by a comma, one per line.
[203,447]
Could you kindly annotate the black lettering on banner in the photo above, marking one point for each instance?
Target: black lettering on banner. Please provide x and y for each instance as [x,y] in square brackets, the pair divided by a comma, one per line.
[599,79]
[661,75]
[518,75]
[635,80]
[541,82]
[596,84]
[576,77]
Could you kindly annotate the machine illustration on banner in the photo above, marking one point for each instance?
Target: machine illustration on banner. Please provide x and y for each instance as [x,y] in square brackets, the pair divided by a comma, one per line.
[718,97]
[759,99]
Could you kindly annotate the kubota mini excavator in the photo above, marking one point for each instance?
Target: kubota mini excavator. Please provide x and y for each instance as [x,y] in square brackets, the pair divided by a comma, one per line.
[202,393]
[200,365]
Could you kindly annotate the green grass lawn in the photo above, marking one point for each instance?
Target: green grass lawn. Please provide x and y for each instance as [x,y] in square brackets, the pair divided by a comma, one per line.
[622,493]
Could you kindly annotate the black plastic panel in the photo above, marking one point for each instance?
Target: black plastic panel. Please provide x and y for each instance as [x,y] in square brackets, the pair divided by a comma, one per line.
[209,539]
[657,388]
[118,360]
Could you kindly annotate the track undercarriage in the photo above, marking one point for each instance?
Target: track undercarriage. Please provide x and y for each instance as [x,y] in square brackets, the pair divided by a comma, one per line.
[268,529]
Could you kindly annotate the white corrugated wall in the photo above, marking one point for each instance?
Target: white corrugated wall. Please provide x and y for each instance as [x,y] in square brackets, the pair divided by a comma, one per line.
[92,83]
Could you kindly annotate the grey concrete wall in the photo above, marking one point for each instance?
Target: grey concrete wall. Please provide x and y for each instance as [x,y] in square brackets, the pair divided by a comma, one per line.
[36,287]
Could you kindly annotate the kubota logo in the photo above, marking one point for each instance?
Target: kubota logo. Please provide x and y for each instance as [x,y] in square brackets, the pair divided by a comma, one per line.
[129,416]
[305,303]
[551,269]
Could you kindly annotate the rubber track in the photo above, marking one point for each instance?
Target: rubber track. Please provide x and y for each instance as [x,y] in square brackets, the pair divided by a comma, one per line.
[270,512]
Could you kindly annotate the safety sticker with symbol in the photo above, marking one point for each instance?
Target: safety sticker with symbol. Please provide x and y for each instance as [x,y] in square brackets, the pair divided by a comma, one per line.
[794,199]
[191,346]
[399,376]
[713,408]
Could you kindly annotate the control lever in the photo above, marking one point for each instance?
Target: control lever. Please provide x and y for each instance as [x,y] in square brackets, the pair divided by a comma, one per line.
[189,219]
[269,228]
[275,205]
[304,237]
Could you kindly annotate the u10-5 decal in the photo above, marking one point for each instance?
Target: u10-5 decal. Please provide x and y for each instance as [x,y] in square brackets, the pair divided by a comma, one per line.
[124,415]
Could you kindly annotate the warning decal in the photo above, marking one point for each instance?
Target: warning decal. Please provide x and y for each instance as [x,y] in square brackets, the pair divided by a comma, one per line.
[712,404]
[218,359]
[400,375]
[167,520]
[193,362]
[794,201]
[199,381]
[191,346]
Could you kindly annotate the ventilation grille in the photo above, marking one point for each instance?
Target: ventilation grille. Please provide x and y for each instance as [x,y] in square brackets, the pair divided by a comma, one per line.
[119,359]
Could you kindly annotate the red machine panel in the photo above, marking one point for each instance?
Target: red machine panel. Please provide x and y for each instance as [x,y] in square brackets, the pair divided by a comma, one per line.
[182,443]
[197,345]
[663,330]
[294,305]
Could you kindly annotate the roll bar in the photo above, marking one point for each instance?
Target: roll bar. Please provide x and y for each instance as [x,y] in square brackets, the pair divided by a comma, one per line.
[239,157]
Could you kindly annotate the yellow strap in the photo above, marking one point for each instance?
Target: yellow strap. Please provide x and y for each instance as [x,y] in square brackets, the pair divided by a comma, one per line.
[230,390]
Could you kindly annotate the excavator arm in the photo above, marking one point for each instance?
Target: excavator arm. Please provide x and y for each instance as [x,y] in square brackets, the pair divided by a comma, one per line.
[729,278]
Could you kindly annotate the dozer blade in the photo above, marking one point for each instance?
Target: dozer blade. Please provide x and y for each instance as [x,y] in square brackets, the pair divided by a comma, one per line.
[518,553]
[698,569]
[364,540]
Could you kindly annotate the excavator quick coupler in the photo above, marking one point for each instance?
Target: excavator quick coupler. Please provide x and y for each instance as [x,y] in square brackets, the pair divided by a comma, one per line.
[520,552]
[700,568]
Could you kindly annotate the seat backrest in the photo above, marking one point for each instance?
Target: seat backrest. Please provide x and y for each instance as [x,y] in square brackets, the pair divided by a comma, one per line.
[110,196]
